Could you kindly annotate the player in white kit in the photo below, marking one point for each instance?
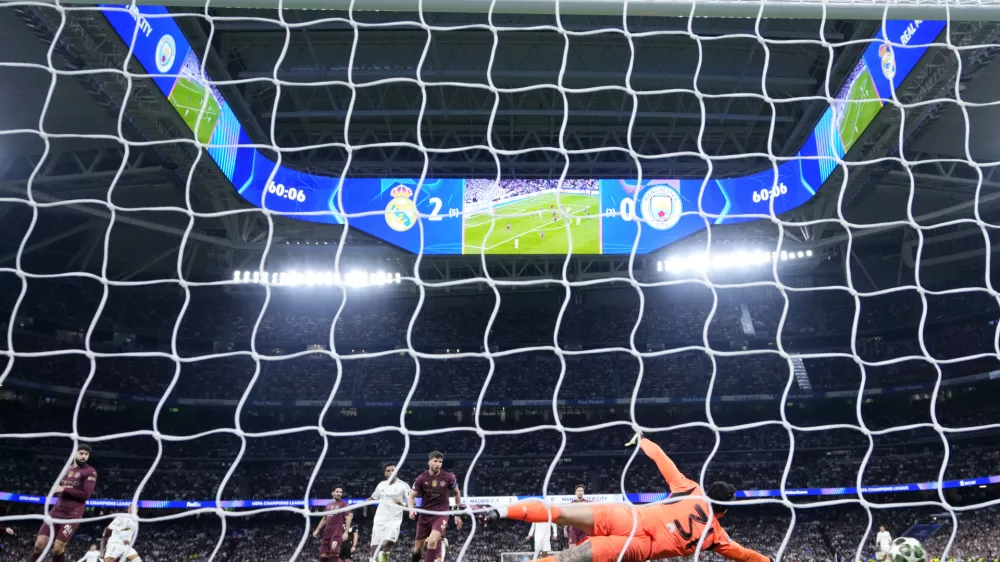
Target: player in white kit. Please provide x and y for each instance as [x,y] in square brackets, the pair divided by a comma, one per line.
[119,539]
[543,534]
[391,494]
[92,555]
[883,541]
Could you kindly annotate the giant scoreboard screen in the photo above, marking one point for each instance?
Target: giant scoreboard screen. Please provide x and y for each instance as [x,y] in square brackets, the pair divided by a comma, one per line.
[511,216]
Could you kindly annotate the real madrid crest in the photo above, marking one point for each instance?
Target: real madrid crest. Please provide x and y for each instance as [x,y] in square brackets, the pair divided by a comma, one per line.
[401,212]
[661,207]
[888,61]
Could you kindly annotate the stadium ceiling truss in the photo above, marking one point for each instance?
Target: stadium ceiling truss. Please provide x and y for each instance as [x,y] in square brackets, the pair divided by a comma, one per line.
[387,113]
[458,117]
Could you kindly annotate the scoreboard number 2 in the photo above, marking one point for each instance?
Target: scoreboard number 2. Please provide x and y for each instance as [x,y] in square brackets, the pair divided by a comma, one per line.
[436,211]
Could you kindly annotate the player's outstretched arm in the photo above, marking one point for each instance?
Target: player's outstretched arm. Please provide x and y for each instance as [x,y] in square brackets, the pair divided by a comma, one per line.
[675,479]
[735,551]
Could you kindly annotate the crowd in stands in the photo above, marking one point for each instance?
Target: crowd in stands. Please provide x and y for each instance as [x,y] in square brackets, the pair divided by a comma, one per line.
[498,449]
[482,190]
[370,336]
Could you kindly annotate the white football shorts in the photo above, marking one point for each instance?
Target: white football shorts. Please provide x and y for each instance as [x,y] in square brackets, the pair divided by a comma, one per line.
[385,531]
[119,551]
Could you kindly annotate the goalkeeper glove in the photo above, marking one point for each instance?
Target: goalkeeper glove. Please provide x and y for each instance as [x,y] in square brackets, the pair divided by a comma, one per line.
[635,440]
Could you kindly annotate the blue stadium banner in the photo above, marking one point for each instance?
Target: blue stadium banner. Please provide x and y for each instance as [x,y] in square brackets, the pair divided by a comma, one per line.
[647,497]
[454,216]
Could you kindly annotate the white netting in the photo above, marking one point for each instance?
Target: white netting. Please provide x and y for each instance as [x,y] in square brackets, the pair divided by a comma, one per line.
[952,51]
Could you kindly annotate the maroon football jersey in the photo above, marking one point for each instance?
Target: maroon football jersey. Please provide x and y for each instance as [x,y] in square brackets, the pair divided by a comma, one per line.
[335,521]
[435,489]
[78,484]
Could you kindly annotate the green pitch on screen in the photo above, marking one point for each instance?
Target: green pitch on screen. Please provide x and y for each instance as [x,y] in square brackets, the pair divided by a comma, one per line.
[527,230]
[862,106]
[187,98]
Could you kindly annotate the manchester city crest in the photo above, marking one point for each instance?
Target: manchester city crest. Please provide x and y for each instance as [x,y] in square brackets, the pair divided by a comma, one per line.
[166,52]
[661,207]
[401,212]
[434,483]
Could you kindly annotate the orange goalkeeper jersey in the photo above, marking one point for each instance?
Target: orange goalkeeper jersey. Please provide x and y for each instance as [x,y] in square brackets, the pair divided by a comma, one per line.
[675,528]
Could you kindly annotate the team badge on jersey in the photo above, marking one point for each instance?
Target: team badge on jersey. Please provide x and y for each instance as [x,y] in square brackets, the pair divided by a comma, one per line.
[434,483]
[166,52]
[401,212]
[661,207]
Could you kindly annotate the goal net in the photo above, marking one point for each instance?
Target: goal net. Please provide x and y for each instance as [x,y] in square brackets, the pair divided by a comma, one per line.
[278,245]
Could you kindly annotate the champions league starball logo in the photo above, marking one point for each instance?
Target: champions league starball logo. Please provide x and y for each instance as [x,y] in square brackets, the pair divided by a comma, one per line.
[401,212]
[166,52]
[661,207]
[888,61]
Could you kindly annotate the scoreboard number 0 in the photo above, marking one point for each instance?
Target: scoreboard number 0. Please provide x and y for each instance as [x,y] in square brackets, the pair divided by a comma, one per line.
[626,210]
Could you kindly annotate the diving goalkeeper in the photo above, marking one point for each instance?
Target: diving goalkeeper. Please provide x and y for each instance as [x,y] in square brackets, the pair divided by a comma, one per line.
[661,530]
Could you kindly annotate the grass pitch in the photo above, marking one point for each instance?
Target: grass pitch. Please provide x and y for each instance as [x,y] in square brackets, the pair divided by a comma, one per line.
[862,105]
[186,97]
[527,230]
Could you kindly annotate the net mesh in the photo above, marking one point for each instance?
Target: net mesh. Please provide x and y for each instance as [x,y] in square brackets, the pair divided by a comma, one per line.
[954,50]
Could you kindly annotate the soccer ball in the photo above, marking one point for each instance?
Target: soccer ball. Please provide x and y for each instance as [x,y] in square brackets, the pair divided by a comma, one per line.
[905,549]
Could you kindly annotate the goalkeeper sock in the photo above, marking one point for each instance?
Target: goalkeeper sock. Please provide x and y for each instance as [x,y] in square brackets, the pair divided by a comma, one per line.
[530,511]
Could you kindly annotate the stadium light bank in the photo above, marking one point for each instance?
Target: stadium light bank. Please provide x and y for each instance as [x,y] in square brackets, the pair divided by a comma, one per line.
[356,278]
[719,261]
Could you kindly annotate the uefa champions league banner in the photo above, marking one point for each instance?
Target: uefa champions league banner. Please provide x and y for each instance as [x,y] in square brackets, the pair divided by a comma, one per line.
[641,498]
[454,216]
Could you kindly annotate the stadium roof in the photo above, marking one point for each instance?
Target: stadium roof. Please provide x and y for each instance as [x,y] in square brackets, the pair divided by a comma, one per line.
[147,242]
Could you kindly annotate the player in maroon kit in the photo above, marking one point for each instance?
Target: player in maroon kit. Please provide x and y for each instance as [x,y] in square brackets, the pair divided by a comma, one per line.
[74,489]
[435,486]
[573,535]
[334,526]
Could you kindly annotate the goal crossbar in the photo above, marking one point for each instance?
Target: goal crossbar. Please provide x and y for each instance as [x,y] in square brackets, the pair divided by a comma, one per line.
[953,10]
